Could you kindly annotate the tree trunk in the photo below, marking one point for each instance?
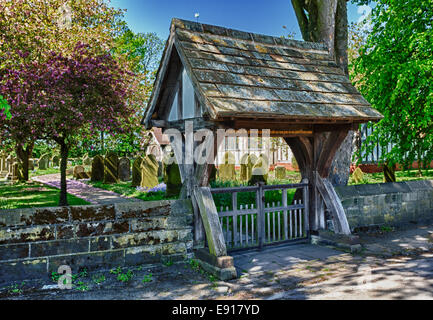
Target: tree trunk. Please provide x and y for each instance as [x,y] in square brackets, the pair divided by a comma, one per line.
[63,164]
[389,173]
[23,155]
[327,22]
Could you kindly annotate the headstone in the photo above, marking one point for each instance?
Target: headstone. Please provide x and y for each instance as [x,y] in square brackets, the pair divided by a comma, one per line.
[111,164]
[55,161]
[43,162]
[124,169]
[244,167]
[260,170]
[136,172]
[86,160]
[149,172]
[83,175]
[3,167]
[280,172]
[172,178]
[15,171]
[251,161]
[31,165]
[226,171]
[358,175]
[97,169]
[78,170]
[9,164]
[295,165]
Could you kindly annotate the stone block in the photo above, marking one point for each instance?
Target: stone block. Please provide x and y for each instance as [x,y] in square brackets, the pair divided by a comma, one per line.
[37,233]
[14,251]
[93,213]
[47,216]
[143,255]
[23,270]
[91,260]
[94,229]
[144,238]
[58,247]
[100,243]
[65,231]
[148,224]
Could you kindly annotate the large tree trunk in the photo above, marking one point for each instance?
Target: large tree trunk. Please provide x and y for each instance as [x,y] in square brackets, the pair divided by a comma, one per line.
[64,150]
[327,22]
[23,155]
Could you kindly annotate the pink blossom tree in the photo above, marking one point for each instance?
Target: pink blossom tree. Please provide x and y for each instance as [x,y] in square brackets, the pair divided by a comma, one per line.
[79,95]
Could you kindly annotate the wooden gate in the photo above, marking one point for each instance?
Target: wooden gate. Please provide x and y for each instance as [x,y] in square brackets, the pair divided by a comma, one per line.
[249,220]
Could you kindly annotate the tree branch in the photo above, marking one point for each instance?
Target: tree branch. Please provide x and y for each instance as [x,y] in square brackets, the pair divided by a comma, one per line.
[298,6]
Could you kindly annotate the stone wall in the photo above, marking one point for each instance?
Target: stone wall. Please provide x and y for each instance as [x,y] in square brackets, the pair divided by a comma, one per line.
[394,204]
[35,242]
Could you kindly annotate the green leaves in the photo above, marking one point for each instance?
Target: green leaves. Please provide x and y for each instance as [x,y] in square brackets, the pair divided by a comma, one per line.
[394,73]
[5,107]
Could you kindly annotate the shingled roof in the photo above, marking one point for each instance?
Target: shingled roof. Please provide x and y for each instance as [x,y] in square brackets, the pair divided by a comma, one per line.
[242,75]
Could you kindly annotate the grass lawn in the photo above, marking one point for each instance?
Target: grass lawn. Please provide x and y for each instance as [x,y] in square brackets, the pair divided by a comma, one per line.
[38,172]
[401,176]
[29,195]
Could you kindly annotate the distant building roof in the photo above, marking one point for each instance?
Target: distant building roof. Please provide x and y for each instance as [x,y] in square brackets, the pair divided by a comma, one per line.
[241,75]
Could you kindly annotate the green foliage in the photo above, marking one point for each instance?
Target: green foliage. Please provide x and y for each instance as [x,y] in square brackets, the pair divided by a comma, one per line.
[98,279]
[4,107]
[147,278]
[395,74]
[125,277]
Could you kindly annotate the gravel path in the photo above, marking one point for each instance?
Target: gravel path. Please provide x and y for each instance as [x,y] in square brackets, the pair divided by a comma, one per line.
[83,190]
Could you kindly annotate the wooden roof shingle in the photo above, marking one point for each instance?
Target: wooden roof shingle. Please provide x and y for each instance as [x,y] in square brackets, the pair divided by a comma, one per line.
[239,74]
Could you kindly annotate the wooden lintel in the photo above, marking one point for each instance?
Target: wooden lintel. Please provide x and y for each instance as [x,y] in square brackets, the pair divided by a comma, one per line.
[158,123]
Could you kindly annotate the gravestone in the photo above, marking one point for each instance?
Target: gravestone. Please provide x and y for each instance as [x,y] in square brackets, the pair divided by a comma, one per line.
[3,167]
[251,161]
[280,172]
[136,172]
[149,172]
[31,165]
[78,170]
[97,169]
[358,175]
[172,178]
[9,165]
[124,169]
[44,162]
[86,160]
[295,164]
[226,171]
[15,171]
[55,161]
[244,167]
[260,170]
[111,165]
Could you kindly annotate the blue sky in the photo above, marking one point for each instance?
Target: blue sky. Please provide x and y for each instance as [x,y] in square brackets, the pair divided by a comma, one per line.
[260,16]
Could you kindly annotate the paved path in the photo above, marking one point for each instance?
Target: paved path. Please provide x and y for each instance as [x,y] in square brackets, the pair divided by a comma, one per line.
[275,258]
[83,190]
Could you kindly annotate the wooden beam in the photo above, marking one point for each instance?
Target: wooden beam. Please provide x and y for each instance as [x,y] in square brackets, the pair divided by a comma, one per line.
[333,203]
[327,153]
[212,226]
[158,123]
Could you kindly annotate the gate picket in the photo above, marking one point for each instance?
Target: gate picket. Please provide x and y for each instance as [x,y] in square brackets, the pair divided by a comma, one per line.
[264,222]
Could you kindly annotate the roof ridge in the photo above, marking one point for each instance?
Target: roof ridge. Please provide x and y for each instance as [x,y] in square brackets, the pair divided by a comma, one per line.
[243,35]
